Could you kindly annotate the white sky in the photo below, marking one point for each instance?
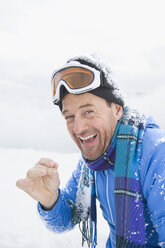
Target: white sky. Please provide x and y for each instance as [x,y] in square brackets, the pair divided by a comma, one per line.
[44,33]
[36,36]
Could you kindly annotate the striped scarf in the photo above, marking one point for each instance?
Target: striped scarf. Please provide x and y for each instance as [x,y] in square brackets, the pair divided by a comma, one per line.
[130,223]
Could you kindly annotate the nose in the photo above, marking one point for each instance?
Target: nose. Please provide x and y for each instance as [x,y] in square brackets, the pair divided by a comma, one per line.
[80,126]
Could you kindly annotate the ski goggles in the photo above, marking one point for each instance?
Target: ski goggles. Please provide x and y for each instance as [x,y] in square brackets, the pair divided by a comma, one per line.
[76,78]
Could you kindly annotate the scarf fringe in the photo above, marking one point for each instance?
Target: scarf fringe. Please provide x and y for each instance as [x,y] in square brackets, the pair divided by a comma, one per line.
[93,234]
[89,233]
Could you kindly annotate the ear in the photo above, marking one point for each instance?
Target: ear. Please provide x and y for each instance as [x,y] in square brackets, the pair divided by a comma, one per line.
[118,110]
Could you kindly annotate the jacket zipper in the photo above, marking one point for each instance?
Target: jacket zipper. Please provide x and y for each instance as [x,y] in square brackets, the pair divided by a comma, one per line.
[107,191]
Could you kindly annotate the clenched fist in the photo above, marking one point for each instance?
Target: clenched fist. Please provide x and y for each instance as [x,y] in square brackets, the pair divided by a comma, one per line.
[42,182]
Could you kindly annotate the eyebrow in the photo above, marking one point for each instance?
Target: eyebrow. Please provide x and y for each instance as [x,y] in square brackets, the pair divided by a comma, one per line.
[82,106]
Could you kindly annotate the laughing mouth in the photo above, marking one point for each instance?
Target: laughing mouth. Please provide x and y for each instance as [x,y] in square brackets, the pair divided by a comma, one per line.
[87,139]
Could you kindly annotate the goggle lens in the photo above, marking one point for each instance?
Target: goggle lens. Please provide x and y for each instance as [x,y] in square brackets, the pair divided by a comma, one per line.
[74,77]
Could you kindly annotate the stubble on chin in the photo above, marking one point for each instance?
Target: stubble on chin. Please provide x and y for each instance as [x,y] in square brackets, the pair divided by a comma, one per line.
[92,155]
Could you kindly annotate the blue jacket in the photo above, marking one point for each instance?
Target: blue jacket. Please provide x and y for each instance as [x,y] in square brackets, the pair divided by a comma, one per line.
[152,174]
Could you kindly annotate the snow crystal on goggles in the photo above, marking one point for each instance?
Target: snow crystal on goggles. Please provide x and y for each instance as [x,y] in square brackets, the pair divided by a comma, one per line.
[77,79]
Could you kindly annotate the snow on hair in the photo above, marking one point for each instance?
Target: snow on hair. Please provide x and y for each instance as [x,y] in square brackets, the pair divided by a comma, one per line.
[103,65]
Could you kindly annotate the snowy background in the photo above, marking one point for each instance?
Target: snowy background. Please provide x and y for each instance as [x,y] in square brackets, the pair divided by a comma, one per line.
[38,36]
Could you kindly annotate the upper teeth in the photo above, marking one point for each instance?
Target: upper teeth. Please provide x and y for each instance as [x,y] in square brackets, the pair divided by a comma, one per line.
[88,137]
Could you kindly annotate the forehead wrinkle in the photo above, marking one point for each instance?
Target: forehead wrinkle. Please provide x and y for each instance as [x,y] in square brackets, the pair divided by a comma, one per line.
[86,105]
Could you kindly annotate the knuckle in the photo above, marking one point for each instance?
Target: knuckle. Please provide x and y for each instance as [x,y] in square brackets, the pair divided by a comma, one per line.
[42,160]
[46,162]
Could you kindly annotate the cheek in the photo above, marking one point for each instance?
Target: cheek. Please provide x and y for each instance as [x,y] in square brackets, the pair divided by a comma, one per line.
[102,126]
[70,130]
[108,126]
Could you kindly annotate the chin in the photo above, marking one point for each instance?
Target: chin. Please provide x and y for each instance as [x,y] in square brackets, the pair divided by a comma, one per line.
[91,156]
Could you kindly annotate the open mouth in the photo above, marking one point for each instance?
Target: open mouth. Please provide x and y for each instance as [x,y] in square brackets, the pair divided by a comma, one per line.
[87,139]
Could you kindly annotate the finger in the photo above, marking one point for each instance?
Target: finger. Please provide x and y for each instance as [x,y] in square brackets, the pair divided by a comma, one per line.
[22,183]
[36,172]
[52,172]
[47,162]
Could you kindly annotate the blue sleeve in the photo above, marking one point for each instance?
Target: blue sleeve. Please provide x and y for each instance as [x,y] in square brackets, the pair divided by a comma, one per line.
[59,218]
[153,180]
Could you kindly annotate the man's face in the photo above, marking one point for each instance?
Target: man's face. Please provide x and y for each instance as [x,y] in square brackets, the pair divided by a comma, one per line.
[90,122]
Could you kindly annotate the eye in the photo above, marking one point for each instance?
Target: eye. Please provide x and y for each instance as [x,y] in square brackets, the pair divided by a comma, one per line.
[88,112]
[69,117]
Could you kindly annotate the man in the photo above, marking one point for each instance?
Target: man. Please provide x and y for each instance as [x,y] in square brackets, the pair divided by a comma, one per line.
[122,165]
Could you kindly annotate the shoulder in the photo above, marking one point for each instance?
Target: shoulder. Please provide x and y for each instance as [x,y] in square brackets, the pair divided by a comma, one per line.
[153,152]
[153,139]
[153,134]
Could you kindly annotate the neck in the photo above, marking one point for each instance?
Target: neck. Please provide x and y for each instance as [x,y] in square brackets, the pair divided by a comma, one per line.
[106,161]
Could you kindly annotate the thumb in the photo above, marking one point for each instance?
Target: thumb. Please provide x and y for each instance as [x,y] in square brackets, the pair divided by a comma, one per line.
[22,183]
